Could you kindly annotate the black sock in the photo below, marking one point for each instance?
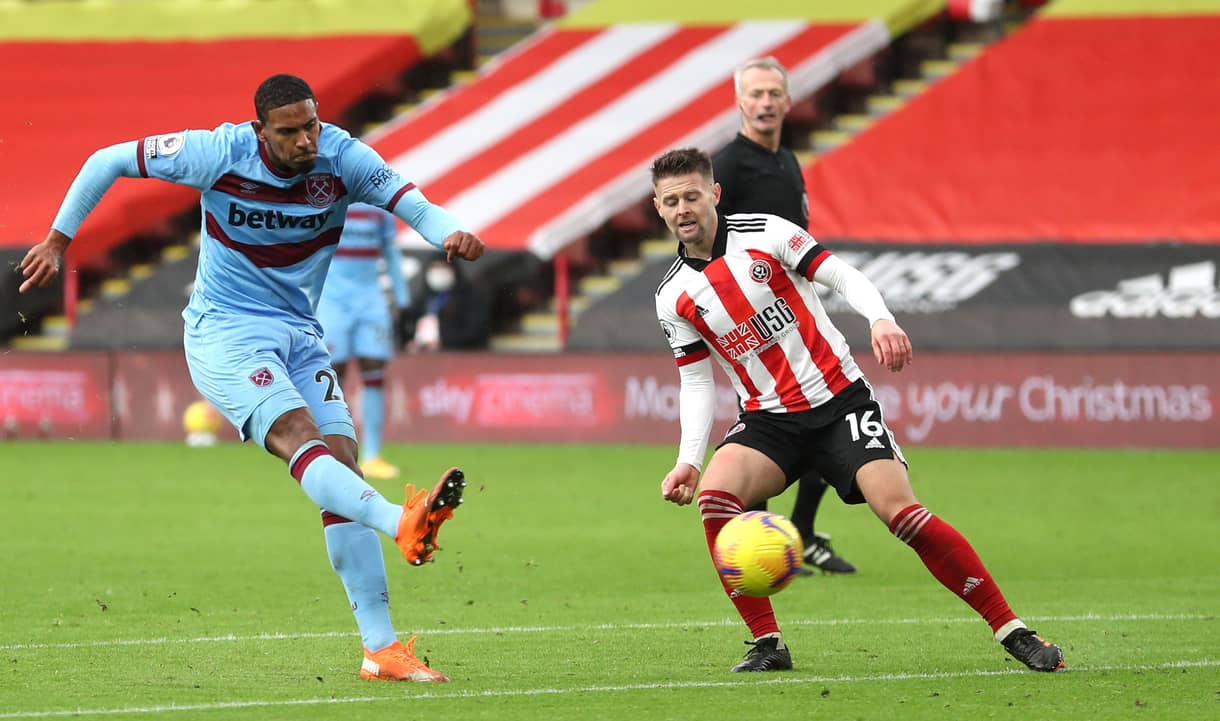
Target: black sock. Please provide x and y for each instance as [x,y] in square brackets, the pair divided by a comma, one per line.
[809,492]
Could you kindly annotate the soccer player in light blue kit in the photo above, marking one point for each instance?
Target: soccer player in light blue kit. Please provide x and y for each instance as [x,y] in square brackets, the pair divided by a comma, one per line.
[356,321]
[274,195]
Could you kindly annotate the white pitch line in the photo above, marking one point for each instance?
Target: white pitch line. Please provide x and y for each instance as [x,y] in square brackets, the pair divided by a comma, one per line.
[497,630]
[786,679]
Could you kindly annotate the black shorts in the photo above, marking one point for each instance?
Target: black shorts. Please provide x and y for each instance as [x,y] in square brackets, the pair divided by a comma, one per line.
[834,439]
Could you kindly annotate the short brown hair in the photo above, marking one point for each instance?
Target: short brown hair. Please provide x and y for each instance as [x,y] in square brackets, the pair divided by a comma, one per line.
[681,162]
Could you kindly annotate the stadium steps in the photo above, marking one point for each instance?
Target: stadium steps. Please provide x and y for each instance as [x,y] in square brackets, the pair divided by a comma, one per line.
[540,332]
[39,342]
[657,248]
[495,34]
[55,331]
[525,343]
[903,89]
[845,126]
[964,51]
[114,288]
[54,336]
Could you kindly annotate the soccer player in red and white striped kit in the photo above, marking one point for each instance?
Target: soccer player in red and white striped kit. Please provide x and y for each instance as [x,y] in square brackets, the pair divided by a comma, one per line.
[741,292]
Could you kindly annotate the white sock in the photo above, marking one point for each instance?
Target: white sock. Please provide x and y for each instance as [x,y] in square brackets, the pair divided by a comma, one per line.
[1003,631]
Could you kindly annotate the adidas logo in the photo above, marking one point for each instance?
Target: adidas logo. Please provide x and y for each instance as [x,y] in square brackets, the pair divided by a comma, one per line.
[971,584]
[874,443]
[1188,291]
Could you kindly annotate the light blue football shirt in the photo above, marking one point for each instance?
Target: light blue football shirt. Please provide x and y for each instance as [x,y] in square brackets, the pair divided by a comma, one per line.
[267,238]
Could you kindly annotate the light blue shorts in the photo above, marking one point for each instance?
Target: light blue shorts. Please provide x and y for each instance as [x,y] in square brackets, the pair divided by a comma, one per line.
[254,370]
[357,326]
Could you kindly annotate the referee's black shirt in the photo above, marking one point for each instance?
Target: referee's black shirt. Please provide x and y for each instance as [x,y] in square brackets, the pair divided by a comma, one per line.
[755,180]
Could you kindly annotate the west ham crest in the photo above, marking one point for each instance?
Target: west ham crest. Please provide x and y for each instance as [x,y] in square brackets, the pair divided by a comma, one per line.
[320,189]
[261,377]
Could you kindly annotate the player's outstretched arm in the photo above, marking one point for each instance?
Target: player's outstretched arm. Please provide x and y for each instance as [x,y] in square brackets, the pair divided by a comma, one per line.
[41,264]
[679,485]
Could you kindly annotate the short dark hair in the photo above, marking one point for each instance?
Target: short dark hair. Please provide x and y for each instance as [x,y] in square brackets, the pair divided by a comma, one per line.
[278,91]
[681,162]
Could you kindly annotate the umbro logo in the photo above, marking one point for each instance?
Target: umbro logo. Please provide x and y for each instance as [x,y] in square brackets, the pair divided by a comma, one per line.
[971,584]
[1186,291]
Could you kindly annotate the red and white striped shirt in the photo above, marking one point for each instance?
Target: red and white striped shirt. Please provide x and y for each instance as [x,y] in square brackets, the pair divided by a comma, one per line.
[754,309]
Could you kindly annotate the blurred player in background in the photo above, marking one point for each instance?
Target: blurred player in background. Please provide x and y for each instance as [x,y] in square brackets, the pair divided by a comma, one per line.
[741,291]
[758,175]
[357,323]
[274,195]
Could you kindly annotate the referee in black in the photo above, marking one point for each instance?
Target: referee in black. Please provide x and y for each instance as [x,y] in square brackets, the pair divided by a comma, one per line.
[758,175]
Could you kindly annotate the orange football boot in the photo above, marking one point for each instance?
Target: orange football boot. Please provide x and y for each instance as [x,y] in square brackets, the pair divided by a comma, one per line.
[397,663]
[423,513]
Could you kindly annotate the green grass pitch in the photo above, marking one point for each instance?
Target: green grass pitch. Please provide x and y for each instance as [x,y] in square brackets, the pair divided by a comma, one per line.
[148,581]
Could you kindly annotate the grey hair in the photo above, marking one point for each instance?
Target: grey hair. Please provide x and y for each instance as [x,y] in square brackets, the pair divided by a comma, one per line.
[768,62]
